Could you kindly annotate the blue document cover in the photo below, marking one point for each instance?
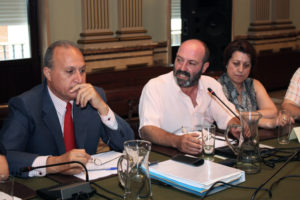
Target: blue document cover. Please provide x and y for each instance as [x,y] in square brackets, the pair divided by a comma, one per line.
[196,180]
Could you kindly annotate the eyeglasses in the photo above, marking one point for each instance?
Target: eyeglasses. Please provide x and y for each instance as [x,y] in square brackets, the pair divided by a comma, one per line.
[98,161]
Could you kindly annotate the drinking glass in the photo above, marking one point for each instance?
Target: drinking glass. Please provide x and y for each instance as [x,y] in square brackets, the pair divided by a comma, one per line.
[284,127]
[208,140]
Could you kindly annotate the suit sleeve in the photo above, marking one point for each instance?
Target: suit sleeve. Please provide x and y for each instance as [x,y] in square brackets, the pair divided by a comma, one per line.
[15,135]
[2,149]
[116,138]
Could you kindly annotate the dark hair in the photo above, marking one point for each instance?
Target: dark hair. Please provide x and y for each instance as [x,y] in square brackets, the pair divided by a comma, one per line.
[242,46]
[48,59]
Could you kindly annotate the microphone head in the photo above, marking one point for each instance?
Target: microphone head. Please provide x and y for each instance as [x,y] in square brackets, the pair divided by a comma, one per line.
[211,91]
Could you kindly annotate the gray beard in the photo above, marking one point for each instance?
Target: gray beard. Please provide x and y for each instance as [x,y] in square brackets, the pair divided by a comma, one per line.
[190,82]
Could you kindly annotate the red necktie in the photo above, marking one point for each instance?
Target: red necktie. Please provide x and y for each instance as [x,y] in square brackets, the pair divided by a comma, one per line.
[69,129]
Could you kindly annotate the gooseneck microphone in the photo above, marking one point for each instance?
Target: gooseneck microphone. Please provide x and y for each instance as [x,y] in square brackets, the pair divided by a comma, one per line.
[29,168]
[71,191]
[214,94]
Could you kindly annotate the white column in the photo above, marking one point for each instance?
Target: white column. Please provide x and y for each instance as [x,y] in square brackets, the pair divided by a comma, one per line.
[130,26]
[95,22]
[270,28]
[260,15]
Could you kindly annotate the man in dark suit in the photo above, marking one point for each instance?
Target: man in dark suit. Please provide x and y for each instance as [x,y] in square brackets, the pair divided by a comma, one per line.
[36,132]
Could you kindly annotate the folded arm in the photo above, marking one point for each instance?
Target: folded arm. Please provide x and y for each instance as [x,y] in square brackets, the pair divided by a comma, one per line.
[266,106]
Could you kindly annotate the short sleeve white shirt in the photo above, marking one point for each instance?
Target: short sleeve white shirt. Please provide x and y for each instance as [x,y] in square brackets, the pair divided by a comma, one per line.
[164,105]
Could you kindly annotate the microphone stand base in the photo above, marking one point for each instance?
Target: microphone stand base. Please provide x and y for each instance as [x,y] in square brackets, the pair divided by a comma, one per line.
[80,190]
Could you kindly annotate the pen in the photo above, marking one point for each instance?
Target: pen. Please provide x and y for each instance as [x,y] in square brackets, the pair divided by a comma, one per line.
[103,169]
[111,168]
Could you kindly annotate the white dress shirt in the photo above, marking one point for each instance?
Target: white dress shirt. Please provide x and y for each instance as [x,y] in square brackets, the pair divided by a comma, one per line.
[164,105]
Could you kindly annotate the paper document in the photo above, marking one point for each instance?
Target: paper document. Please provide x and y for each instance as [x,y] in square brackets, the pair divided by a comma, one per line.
[295,133]
[194,179]
[105,165]
[221,142]
[265,146]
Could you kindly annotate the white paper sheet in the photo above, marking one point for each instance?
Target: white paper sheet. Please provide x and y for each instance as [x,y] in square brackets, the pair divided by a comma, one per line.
[110,160]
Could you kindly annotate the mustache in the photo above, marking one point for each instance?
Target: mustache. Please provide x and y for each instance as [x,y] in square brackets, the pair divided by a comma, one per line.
[183,73]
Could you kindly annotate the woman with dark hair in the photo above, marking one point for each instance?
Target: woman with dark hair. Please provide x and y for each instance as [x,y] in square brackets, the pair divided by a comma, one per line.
[247,94]
[4,172]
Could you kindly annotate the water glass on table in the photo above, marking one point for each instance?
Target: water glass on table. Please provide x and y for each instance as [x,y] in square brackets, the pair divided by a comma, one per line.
[284,126]
[208,140]
[6,187]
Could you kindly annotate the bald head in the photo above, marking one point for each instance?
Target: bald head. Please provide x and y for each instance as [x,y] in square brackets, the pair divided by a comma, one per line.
[195,47]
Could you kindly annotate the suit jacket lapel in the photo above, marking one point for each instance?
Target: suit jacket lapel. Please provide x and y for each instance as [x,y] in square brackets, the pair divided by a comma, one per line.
[51,120]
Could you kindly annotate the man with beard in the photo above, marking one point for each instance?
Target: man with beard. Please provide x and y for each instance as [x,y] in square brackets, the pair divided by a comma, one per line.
[62,119]
[178,102]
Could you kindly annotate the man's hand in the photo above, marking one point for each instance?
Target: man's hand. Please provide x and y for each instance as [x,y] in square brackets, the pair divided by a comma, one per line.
[190,143]
[235,131]
[4,171]
[187,143]
[70,169]
[87,93]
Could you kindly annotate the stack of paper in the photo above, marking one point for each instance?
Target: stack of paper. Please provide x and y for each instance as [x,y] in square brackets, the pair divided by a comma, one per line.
[196,180]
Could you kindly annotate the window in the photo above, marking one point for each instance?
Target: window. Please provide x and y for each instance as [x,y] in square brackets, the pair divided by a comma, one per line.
[175,23]
[14,30]
[20,59]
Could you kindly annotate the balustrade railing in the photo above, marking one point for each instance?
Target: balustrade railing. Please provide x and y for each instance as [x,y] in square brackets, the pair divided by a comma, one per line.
[9,51]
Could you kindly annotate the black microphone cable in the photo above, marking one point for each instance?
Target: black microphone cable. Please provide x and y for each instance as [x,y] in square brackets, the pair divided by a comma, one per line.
[283,165]
[29,168]
[275,155]
[282,178]
[218,183]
